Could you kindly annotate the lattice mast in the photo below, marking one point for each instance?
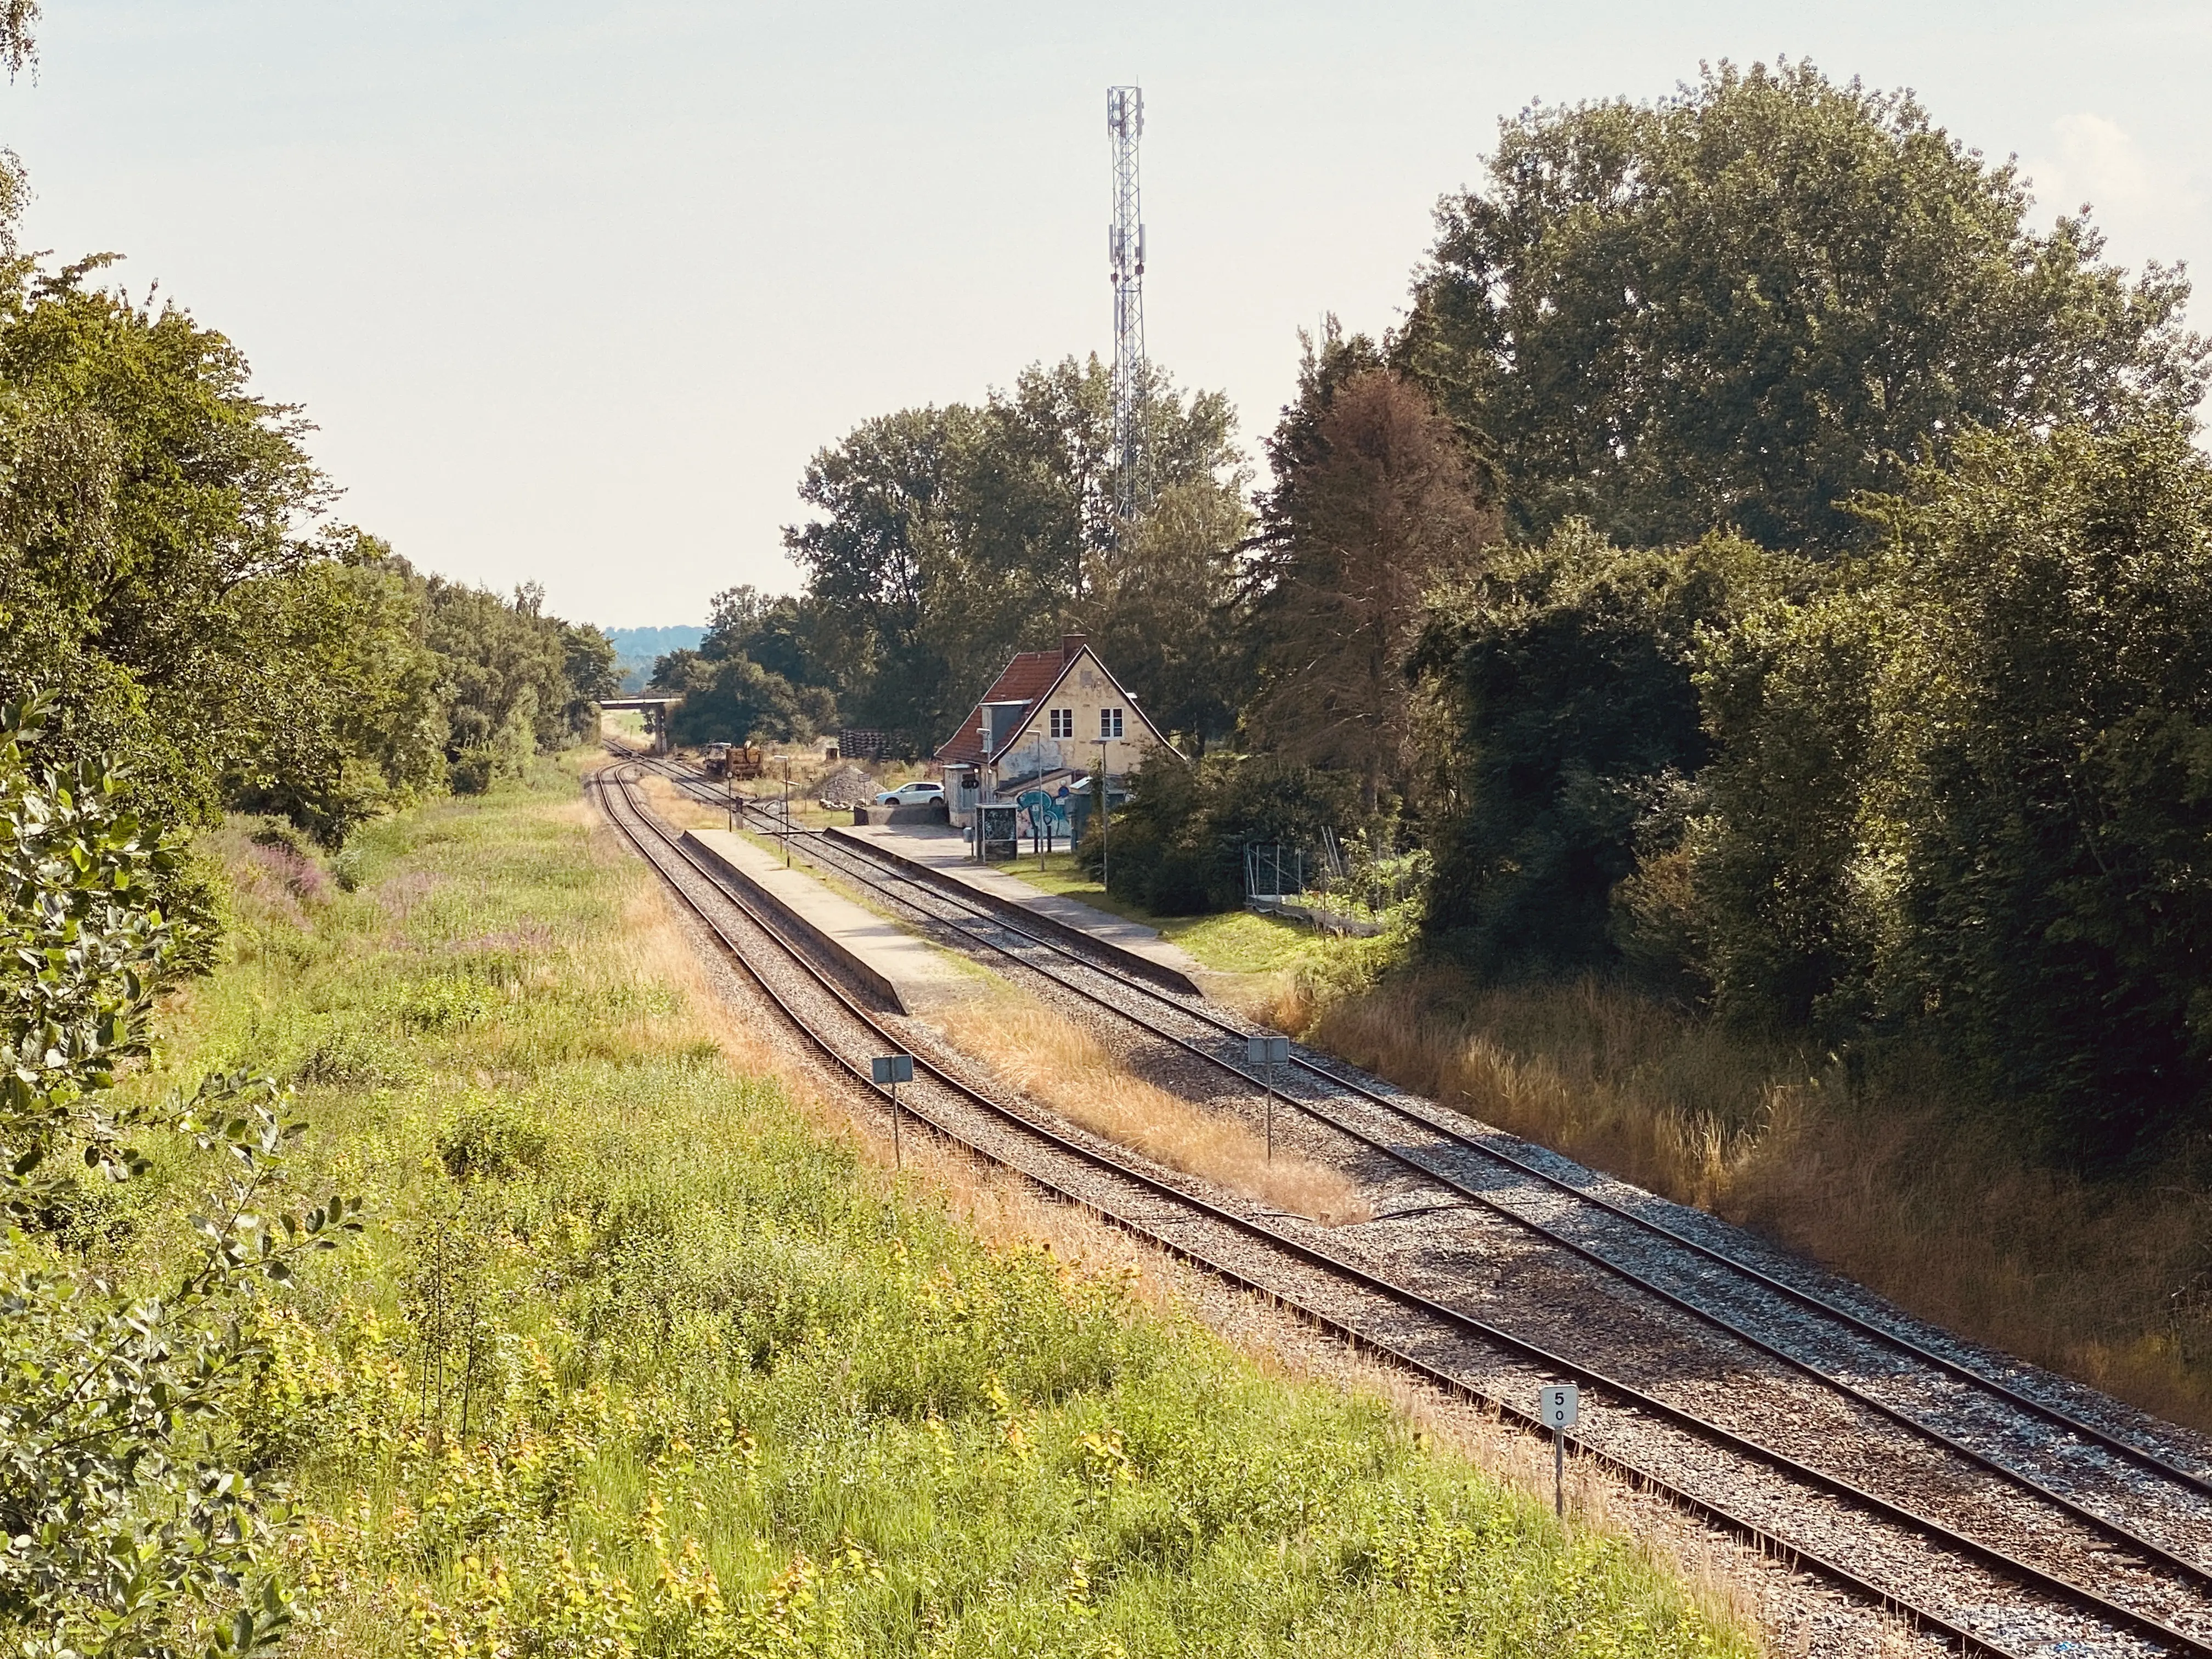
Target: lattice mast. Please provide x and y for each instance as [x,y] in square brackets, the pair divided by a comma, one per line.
[1125,252]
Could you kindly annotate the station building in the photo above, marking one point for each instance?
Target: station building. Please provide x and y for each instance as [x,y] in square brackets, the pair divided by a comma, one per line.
[1047,722]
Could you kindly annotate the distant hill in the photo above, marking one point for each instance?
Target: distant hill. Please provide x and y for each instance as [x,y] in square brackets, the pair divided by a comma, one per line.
[636,648]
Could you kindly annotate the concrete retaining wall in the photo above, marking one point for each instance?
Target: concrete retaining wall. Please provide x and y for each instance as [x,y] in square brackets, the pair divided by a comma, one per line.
[935,812]
[796,927]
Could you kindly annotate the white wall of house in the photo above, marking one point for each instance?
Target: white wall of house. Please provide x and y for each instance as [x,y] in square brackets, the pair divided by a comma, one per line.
[1062,733]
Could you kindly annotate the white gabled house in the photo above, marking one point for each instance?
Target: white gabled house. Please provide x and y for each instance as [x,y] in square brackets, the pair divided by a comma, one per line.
[1047,720]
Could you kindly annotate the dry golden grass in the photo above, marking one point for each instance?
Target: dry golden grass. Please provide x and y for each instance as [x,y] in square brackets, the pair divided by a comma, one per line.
[2111,1283]
[673,806]
[1055,1061]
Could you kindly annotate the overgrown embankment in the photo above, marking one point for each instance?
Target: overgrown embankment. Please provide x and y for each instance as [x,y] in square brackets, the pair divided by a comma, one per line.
[638,1356]
[1889,1173]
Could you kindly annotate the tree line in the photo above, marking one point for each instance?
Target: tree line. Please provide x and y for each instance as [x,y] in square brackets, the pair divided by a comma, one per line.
[1762,565]
[170,581]
[182,632]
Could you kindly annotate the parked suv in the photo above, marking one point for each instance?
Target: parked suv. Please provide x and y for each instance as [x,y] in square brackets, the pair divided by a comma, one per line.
[911,794]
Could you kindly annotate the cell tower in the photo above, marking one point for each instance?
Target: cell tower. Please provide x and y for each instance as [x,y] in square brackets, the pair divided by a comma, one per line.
[1125,252]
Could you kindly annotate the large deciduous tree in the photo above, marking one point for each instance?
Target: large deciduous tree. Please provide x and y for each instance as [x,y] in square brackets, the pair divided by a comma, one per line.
[947,538]
[1739,306]
[731,692]
[1969,786]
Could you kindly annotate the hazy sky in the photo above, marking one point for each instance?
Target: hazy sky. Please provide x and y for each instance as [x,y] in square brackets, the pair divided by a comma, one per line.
[574,291]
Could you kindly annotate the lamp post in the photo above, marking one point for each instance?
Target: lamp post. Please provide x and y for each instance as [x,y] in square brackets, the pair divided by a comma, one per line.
[1036,788]
[1104,791]
[787,812]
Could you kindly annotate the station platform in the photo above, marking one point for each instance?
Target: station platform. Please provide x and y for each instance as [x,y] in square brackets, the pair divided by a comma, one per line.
[908,974]
[940,856]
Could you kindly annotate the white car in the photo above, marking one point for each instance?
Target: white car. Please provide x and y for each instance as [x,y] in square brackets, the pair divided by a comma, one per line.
[911,794]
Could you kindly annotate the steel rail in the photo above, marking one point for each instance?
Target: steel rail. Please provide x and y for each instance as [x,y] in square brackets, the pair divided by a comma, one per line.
[2040,1579]
[2153,1553]
[980,906]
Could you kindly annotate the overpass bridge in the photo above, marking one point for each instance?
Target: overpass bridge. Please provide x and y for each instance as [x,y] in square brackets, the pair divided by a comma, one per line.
[654,709]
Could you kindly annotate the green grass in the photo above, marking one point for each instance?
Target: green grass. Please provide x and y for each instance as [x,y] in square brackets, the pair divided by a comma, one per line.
[1234,942]
[730,1389]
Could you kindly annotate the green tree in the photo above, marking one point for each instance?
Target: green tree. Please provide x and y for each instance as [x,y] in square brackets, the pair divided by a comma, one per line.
[1963,788]
[735,700]
[1566,673]
[1168,612]
[507,669]
[149,495]
[947,538]
[161,579]
[349,703]
[879,558]
[1779,893]
[786,634]
[1739,307]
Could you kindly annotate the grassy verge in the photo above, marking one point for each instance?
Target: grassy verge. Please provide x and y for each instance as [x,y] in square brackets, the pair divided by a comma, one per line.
[1881,1177]
[644,1356]
[1055,1061]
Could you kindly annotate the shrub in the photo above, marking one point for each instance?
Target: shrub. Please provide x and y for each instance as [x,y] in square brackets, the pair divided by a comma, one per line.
[131,1525]
[1178,847]
[494,1139]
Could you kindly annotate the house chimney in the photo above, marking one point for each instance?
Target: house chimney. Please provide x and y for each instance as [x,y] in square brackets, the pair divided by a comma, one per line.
[1069,645]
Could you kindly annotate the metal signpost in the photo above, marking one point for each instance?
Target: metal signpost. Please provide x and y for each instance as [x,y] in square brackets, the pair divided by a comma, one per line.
[1263,1054]
[891,1071]
[1557,1406]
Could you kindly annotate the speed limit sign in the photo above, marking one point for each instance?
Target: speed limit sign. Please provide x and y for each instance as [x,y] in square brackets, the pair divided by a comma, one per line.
[1558,1405]
[1557,1408]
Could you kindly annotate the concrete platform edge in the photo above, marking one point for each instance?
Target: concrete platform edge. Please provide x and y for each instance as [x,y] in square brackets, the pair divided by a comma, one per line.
[1122,956]
[796,927]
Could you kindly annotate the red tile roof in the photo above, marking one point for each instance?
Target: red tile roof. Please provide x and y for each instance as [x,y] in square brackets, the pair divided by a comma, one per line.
[1024,680]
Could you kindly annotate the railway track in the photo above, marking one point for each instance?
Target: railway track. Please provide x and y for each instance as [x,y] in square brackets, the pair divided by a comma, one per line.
[2189,1472]
[2001,1595]
[2097,1474]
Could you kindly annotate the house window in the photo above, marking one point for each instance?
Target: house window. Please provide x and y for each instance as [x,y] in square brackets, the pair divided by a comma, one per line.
[1109,722]
[1063,722]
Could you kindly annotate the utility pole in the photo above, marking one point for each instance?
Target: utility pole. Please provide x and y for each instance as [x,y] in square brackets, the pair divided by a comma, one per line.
[1125,253]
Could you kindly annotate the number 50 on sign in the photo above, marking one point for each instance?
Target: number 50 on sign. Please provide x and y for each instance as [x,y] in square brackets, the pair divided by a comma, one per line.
[1559,1407]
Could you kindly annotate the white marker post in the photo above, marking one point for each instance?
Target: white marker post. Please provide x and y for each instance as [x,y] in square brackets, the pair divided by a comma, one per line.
[1557,1406]
[892,1070]
[1263,1054]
